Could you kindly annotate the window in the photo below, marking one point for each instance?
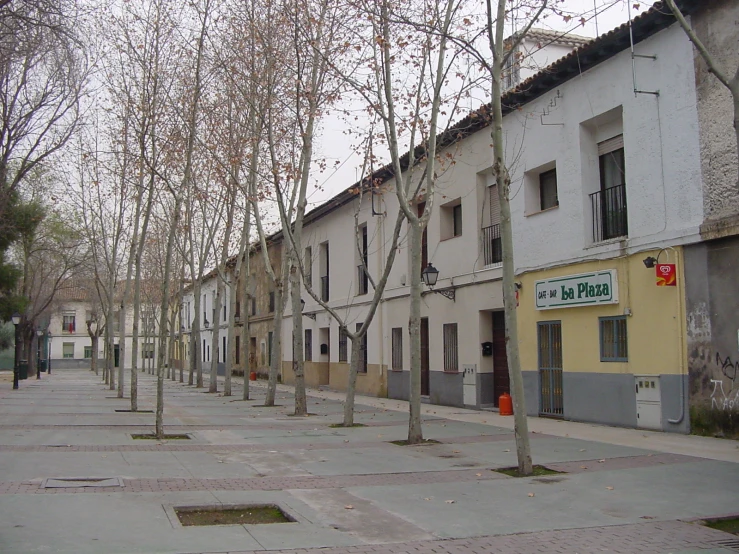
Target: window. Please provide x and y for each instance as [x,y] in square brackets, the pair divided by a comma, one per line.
[253,306]
[397,348]
[204,358]
[68,350]
[224,350]
[451,354]
[69,324]
[613,340]
[224,312]
[237,354]
[457,217]
[88,352]
[308,267]
[342,344]
[610,217]
[362,262]
[511,71]
[237,310]
[147,351]
[269,348]
[362,367]
[271,302]
[308,344]
[450,219]
[324,268]
[548,190]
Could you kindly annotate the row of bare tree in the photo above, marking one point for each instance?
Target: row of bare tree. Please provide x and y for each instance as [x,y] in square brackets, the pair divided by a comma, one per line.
[186,132]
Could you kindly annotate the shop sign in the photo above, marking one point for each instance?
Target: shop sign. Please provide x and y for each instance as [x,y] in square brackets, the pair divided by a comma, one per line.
[666,275]
[584,289]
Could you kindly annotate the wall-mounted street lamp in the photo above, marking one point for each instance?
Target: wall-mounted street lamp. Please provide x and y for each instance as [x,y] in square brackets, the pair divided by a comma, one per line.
[39,334]
[430,275]
[48,353]
[302,307]
[650,262]
[16,319]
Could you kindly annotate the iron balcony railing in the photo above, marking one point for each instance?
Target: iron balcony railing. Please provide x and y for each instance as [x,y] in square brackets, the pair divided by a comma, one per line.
[610,218]
[324,288]
[492,247]
[362,280]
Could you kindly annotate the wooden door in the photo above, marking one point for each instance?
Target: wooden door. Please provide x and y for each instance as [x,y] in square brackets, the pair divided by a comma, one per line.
[501,379]
[424,356]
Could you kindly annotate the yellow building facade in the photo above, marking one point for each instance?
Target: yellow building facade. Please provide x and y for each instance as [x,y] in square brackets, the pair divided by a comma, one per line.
[600,341]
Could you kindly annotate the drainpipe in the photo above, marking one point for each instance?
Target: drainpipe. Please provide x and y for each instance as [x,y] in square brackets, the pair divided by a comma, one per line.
[680,320]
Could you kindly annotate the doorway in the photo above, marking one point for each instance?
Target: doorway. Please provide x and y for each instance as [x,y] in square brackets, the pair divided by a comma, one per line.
[501,378]
[550,368]
[424,356]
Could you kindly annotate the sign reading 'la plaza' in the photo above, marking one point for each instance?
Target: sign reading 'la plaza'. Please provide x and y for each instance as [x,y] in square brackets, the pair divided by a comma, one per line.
[584,289]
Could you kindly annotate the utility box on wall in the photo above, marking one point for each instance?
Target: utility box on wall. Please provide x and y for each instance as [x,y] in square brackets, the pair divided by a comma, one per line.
[648,402]
[487,348]
[469,385]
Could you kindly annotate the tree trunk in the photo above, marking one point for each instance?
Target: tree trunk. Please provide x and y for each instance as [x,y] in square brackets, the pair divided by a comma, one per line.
[351,386]
[503,181]
[216,336]
[301,408]
[274,367]
[196,354]
[94,361]
[415,433]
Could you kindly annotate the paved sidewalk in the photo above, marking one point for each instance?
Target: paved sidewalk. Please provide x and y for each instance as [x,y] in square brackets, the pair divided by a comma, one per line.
[348,490]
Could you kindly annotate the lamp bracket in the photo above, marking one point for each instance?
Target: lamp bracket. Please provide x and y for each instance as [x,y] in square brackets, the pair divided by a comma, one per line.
[449,293]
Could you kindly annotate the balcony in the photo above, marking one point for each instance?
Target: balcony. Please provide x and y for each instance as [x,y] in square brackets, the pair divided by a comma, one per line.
[492,247]
[610,217]
[324,288]
[362,280]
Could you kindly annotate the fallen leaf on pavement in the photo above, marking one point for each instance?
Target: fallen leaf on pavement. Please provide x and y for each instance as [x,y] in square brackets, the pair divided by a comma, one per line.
[602,461]
[609,488]
[507,450]
[346,440]
[455,451]
[531,495]
[582,450]
[348,507]
[427,499]
[478,474]
[449,501]
[583,467]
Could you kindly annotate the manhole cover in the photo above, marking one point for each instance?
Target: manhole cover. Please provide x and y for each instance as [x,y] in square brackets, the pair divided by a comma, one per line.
[94,482]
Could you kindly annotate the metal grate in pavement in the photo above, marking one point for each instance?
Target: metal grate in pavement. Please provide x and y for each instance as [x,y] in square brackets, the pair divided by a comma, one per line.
[75,482]
[729,543]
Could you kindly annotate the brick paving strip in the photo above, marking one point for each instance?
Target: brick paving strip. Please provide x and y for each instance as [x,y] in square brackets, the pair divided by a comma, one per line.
[262,483]
[170,447]
[330,482]
[641,538]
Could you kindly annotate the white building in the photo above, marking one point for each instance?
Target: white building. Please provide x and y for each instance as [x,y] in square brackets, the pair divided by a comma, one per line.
[607,173]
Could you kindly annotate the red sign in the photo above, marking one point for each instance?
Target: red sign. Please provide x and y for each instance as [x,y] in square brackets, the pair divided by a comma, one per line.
[666,275]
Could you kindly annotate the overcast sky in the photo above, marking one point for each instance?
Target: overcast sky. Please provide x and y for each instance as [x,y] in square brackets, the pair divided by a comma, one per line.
[335,146]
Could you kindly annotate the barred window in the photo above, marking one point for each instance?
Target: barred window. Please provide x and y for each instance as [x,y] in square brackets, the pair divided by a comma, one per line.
[342,345]
[613,343]
[451,353]
[397,340]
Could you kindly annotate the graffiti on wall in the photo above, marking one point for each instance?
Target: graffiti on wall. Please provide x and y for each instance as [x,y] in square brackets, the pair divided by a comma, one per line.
[720,399]
[728,368]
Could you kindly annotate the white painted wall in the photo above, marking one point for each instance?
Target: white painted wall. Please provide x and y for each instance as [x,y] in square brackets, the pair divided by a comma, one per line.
[663,179]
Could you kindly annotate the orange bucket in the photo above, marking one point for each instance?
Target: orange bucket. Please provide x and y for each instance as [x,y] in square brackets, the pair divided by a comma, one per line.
[253,376]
